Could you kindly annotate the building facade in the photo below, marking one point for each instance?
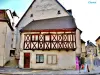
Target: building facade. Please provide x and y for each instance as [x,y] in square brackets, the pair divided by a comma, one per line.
[98,46]
[91,49]
[47,37]
[5,37]
[83,54]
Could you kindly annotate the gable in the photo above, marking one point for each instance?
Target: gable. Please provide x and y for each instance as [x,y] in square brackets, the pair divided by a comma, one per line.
[42,9]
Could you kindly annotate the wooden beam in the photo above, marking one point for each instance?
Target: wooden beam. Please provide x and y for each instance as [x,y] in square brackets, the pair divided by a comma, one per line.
[50,30]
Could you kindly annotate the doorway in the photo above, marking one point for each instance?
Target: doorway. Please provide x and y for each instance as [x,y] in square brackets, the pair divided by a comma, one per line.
[26,60]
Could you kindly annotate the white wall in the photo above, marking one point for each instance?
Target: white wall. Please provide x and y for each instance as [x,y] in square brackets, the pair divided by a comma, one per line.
[5,42]
[2,42]
[8,43]
[42,10]
[78,42]
[65,60]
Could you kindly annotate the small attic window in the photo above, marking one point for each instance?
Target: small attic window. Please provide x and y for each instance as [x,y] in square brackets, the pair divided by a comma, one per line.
[31,15]
[59,12]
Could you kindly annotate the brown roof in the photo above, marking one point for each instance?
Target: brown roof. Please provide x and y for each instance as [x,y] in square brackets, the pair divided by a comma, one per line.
[5,18]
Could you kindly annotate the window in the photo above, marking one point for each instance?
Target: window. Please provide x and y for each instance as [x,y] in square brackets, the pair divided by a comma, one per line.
[59,12]
[39,58]
[12,53]
[51,59]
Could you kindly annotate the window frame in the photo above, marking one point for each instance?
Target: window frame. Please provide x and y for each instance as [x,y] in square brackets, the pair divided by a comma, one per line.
[52,59]
[39,58]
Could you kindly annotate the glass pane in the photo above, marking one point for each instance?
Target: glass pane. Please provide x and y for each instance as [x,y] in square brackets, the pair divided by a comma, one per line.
[41,58]
[37,58]
[49,61]
[54,59]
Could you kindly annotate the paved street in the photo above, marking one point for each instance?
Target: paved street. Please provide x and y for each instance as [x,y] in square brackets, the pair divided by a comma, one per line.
[11,69]
[17,71]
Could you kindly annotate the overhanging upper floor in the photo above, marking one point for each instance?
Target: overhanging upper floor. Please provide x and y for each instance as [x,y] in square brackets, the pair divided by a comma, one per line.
[62,39]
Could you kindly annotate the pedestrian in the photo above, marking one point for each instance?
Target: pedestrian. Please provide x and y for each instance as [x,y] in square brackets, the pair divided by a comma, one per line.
[88,68]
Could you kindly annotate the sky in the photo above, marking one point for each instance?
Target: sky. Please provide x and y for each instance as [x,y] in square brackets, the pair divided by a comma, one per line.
[85,12]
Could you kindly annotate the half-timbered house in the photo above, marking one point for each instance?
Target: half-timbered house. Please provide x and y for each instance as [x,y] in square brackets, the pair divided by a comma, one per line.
[47,37]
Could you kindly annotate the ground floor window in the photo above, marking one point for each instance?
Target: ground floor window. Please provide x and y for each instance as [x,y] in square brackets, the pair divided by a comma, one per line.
[51,59]
[39,58]
[12,53]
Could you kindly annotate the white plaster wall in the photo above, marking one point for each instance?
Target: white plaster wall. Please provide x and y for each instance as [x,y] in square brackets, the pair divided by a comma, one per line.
[42,10]
[18,39]
[21,60]
[65,60]
[5,41]
[14,38]
[8,43]
[78,42]
[2,42]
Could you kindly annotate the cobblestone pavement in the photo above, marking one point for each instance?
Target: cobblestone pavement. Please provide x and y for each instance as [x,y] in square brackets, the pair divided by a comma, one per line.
[17,71]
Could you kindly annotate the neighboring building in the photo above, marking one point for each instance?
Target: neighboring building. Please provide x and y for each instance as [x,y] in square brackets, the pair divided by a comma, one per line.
[98,46]
[83,54]
[47,37]
[5,36]
[91,49]
[91,54]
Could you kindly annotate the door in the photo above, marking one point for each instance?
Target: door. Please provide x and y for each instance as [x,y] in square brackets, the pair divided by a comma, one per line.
[26,60]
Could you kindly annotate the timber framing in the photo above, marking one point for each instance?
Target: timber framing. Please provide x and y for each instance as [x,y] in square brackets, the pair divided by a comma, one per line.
[50,41]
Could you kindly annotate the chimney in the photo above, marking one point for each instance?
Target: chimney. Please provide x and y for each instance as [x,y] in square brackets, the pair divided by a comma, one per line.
[70,11]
